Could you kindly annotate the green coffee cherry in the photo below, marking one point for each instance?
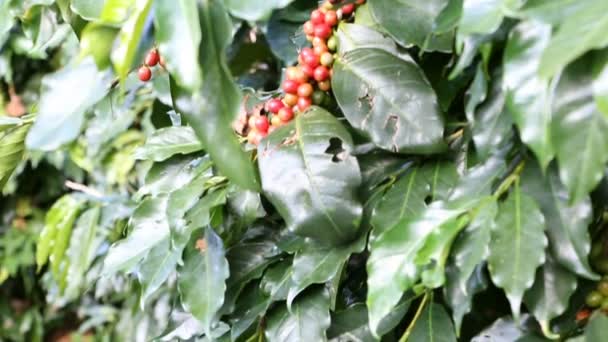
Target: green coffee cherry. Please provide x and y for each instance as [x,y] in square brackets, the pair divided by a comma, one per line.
[594,299]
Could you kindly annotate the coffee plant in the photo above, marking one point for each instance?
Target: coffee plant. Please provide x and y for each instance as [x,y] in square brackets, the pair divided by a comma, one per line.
[295,170]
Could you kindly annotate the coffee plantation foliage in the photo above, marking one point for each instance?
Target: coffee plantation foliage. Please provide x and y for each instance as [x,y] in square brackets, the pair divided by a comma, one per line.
[451,185]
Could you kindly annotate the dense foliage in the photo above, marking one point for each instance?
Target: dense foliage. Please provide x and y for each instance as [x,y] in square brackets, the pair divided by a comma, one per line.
[244,170]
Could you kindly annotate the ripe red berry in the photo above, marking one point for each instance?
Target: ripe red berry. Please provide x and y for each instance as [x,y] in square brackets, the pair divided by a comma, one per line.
[309,28]
[304,103]
[348,9]
[305,90]
[308,70]
[321,73]
[290,99]
[317,17]
[261,123]
[322,31]
[331,18]
[320,49]
[274,105]
[306,52]
[152,58]
[290,86]
[311,60]
[286,114]
[144,73]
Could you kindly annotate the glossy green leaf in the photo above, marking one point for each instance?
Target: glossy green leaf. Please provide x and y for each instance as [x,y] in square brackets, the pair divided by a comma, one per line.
[460,296]
[96,40]
[12,146]
[442,177]
[529,97]
[406,198]
[492,125]
[277,280]
[255,9]
[178,34]
[129,36]
[212,110]
[60,117]
[390,100]
[149,229]
[517,246]
[351,323]
[307,321]
[167,142]
[600,85]
[579,31]
[53,240]
[411,22]
[317,264]
[391,268]
[87,9]
[156,267]
[482,16]
[202,279]
[311,157]
[597,328]
[354,36]
[82,249]
[448,18]
[173,173]
[434,324]
[550,294]
[476,94]
[580,132]
[117,11]
[566,224]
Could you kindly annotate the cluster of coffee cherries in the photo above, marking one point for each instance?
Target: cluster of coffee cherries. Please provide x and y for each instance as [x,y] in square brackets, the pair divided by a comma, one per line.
[309,81]
[152,59]
[598,298]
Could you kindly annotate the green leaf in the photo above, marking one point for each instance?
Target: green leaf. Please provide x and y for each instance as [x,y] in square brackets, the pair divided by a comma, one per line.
[311,157]
[202,279]
[212,110]
[167,142]
[404,199]
[96,40]
[353,36]
[307,321]
[55,236]
[442,177]
[411,22]
[117,11]
[129,36]
[89,10]
[434,324]
[179,206]
[391,268]
[351,323]
[529,96]
[173,174]
[579,31]
[579,132]
[149,229]
[481,16]
[251,307]
[318,264]
[82,250]
[390,100]
[517,246]
[597,328]
[448,18]
[178,34]
[566,224]
[600,85]
[492,125]
[277,280]
[550,294]
[61,117]
[460,296]
[12,146]
[156,267]
[254,10]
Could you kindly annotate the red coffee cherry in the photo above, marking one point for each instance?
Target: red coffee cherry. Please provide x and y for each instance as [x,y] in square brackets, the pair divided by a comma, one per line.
[317,17]
[348,9]
[290,99]
[304,103]
[290,86]
[308,70]
[309,28]
[261,123]
[275,105]
[331,18]
[321,73]
[286,114]
[144,73]
[323,31]
[152,58]
[305,90]
[311,60]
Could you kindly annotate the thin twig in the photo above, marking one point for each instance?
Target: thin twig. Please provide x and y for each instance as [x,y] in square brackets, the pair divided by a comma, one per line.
[410,327]
[83,188]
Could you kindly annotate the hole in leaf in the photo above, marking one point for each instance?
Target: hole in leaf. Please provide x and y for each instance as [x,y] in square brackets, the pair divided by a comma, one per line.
[336,150]
[428,199]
